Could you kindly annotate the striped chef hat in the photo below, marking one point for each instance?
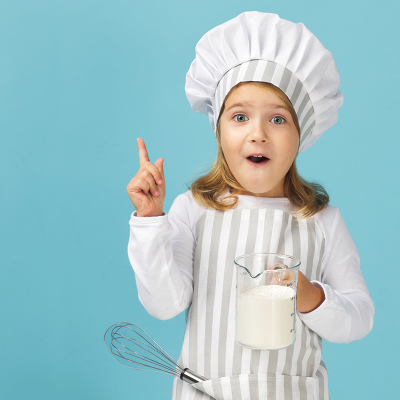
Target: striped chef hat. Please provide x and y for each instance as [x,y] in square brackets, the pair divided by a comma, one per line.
[258,46]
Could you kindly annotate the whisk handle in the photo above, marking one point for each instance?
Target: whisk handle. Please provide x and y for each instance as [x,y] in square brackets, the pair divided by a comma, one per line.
[189,376]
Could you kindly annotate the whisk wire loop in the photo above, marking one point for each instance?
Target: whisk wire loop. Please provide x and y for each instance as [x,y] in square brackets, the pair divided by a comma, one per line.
[120,348]
[119,343]
[159,349]
[119,352]
[147,347]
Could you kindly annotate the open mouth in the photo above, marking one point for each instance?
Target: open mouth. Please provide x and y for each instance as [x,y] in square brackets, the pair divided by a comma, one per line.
[258,159]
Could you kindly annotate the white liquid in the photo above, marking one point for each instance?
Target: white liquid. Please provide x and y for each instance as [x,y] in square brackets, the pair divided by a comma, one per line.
[265,317]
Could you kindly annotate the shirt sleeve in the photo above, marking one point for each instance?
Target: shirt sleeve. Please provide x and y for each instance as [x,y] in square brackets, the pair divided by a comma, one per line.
[347,312]
[161,252]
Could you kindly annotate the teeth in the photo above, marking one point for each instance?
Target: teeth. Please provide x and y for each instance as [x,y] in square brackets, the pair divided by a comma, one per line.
[257,156]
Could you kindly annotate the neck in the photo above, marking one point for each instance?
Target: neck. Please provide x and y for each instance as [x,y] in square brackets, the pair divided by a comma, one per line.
[275,192]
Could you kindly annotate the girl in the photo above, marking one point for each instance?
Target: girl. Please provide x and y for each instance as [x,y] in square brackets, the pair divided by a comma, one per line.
[270,89]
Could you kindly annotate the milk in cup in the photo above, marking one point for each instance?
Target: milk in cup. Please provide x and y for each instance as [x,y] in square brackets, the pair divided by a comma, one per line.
[265,317]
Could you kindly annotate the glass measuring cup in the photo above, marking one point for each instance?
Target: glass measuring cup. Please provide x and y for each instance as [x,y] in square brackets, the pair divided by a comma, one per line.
[266,300]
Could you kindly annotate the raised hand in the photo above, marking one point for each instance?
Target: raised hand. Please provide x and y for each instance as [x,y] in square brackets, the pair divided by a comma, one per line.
[147,189]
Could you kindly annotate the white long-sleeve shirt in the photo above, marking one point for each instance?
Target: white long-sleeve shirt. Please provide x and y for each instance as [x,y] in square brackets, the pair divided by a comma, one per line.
[161,251]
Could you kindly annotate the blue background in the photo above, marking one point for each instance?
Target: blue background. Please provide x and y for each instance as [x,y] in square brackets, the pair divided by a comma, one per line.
[79,82]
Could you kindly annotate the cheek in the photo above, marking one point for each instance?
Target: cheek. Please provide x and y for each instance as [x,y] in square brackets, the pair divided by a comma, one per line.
[229,157]
[288,149]
[230,147]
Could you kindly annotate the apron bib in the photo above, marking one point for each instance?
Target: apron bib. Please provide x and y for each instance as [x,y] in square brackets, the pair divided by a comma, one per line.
[209,347]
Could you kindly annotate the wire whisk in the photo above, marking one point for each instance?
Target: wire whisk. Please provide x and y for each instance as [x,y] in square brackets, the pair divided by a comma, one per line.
[130,345]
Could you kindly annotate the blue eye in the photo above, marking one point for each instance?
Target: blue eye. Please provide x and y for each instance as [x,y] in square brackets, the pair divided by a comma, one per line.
[278,120]
[240,118]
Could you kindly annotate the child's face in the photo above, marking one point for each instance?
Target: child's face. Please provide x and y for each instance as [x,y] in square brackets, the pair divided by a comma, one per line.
[256,121]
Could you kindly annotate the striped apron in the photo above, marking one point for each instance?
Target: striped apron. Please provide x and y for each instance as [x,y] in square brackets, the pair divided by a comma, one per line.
[209,346]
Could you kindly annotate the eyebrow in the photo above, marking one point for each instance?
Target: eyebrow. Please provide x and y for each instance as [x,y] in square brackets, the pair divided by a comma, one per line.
[245,103]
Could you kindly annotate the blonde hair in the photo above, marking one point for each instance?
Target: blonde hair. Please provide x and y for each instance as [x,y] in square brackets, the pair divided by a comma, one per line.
[308,197]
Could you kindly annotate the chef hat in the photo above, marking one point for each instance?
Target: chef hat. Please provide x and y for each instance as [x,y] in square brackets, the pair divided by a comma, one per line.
[258,46]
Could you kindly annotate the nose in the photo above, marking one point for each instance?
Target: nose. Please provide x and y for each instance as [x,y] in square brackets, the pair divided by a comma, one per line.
[258,132]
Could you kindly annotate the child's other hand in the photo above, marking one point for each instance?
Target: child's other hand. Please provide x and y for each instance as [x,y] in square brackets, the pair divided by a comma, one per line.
[147,189]
[282,277]
[309,297]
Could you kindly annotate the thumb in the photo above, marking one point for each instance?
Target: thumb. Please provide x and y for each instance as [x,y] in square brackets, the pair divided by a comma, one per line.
[159,164]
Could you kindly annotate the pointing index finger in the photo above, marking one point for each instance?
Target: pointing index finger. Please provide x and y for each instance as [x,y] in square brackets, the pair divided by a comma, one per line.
[143,155]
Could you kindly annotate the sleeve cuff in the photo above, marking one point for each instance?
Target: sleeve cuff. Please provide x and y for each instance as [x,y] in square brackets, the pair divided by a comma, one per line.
[135,220]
